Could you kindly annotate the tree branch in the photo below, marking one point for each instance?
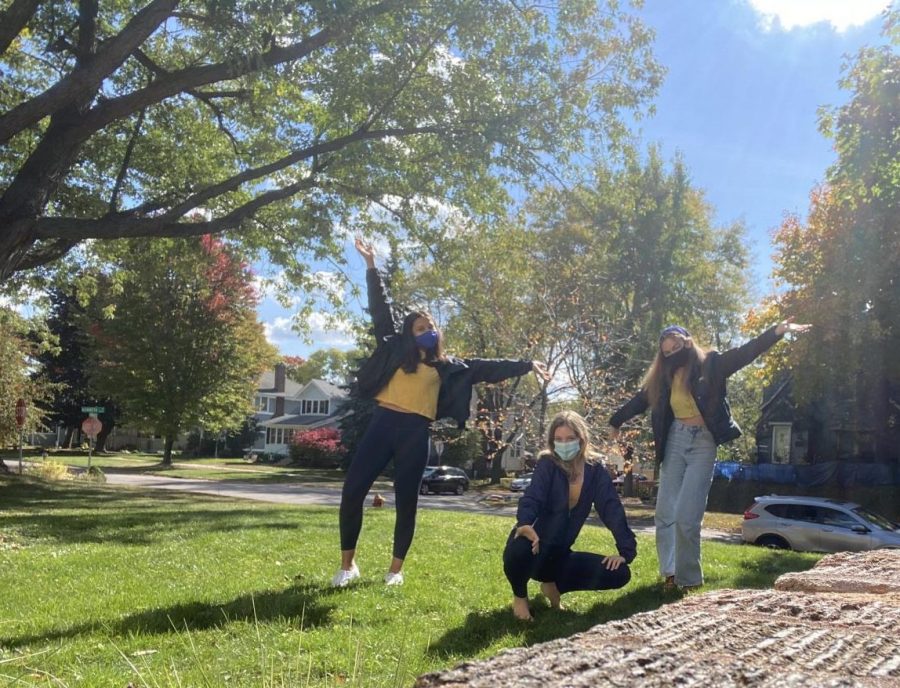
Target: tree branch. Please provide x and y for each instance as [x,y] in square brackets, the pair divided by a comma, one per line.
[126,162]
[297,156]
[13,19]
[116,226]
[87,76]
[185,79]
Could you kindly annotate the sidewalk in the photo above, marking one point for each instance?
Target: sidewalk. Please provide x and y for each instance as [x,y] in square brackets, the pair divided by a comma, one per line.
[497,504]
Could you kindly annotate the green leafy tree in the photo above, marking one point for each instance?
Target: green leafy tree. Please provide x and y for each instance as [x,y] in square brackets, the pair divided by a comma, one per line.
[64,365]
[281,121]
[20,345]
[838,268]
[332,365]
[180,346]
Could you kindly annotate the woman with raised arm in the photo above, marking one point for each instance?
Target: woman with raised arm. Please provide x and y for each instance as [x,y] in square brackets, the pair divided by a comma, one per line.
[685,388]
[567,482]
[413,383]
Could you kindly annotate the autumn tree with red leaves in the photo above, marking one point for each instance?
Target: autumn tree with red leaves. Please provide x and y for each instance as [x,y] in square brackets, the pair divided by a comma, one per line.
[178,345]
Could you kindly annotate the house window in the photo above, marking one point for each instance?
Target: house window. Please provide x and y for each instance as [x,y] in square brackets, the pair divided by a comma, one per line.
[265,404]
[781,442]
[314,407]
[277,435]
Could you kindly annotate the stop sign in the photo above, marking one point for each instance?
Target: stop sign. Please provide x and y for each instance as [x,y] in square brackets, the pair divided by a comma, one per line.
[91,427]
[21,412]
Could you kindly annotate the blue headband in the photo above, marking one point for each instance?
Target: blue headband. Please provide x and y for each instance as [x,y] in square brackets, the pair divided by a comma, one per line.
[673,329]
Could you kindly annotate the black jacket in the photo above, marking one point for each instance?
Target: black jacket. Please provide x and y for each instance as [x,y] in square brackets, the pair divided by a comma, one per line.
[545,505]
[457,375]
[709,391]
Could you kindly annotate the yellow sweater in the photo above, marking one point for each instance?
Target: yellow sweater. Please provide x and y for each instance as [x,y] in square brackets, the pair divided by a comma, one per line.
[414,392]
[682,401]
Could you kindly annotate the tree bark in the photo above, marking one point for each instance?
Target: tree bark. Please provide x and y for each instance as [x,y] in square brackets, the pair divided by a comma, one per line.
[167,451]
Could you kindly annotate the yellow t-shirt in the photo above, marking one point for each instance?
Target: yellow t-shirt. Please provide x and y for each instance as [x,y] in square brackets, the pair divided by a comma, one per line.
[414,392]
[682,401]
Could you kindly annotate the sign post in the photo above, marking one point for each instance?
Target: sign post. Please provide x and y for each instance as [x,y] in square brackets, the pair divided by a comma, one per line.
[21,416]
[91,427]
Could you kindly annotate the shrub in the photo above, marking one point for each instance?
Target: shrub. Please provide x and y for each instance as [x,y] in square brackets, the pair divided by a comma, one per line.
[320,448]
[49,470]
[93,474]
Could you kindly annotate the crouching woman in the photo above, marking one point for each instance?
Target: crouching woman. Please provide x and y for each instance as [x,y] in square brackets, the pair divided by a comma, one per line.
[565,484]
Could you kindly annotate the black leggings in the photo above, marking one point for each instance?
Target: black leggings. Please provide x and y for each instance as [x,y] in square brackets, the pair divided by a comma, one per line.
[403,436]
[569,570]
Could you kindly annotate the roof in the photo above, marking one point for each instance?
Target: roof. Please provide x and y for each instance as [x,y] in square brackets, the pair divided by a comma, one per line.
[266,385]
[327,388]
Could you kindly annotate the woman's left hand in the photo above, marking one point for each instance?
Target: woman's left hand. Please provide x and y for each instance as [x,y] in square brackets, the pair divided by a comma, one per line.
[540,370]
[613,562]
[790,326]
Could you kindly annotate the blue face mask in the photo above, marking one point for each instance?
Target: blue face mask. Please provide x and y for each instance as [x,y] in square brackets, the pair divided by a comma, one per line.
[427,340]
[567,450]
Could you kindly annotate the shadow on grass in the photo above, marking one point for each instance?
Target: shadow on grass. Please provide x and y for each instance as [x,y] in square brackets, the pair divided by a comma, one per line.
[303,605]
[67,513]
[481,629]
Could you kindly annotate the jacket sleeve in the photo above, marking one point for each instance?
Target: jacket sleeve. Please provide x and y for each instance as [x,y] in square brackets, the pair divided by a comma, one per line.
[612,513]
[496,370]
[634,406]
[733,360]
[536,494]
[379,308]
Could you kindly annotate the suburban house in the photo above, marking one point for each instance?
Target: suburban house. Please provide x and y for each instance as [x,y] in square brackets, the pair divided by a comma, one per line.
[284,406]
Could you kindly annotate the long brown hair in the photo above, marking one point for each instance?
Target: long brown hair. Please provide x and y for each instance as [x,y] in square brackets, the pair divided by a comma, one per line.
[660,372]
[579,426]
[411,355]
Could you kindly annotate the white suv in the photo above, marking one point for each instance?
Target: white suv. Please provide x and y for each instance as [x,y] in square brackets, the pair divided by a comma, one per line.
[816,524]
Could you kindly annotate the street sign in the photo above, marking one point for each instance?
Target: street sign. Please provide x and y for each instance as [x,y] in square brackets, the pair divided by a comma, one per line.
[91,427]
[93,409]
[21,413]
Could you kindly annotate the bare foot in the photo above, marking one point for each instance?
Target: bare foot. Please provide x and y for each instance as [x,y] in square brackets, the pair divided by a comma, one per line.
[520,609]
[551,592]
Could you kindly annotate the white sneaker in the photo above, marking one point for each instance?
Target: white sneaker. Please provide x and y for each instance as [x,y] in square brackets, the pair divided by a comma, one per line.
[343,578]
[393,578]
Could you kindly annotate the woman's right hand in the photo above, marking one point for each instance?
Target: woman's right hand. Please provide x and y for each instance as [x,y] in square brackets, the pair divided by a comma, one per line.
[529,533]
[366,251]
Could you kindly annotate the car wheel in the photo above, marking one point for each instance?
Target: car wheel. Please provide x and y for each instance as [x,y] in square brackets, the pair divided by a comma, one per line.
[460,488]
[423,489]
[773,541]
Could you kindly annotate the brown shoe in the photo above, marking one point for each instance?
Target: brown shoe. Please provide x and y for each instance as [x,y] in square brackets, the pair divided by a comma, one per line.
[669,584]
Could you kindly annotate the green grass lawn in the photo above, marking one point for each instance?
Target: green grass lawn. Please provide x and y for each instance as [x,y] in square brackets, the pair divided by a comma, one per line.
[104,587]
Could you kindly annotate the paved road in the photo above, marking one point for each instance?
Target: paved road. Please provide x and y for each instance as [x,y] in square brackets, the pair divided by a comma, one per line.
[503,504]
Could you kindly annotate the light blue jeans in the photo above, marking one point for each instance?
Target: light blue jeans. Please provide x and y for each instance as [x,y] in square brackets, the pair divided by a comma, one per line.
[684,479]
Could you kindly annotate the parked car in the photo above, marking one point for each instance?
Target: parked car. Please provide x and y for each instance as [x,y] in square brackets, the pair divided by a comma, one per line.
[816,524]
[444,479]
[519,484]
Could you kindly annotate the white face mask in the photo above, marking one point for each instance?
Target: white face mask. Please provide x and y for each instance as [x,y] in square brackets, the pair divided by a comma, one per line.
[567,450]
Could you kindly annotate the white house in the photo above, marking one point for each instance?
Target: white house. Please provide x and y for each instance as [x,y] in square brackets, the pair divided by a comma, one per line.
[284,406]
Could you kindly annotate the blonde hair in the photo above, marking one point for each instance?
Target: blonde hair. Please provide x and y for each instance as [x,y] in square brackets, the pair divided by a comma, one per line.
[579,426]
[657,373]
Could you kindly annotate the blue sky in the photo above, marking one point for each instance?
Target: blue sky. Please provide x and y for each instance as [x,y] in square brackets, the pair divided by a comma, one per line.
[739,102]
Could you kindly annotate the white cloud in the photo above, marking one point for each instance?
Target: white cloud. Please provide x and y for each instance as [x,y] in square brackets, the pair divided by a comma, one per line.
[841,14]
[323,330]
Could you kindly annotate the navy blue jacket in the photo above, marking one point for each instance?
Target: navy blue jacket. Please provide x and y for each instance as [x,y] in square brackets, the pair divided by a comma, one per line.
[709,389]
[458,376]
[545,506]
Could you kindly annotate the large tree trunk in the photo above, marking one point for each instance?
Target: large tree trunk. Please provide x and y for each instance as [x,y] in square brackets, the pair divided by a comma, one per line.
[104,435]
[167,450]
